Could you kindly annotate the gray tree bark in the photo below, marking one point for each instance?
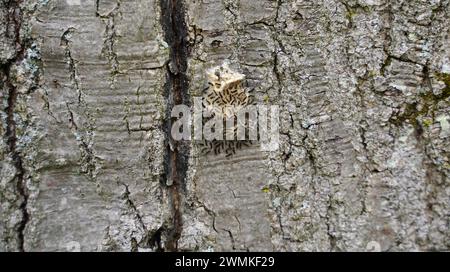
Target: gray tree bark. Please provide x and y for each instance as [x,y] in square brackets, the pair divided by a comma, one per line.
[87,162]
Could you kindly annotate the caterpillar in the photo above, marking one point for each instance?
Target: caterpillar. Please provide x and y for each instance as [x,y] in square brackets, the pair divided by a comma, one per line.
[224,97]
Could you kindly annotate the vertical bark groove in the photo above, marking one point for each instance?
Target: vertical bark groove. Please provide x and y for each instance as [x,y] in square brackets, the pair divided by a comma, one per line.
[176,92]
[17,159]
[13,26]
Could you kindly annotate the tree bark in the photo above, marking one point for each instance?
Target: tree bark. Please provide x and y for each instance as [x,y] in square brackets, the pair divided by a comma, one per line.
[87,161]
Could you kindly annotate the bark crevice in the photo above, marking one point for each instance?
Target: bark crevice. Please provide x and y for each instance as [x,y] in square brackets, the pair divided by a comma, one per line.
[11,139]
[176,93]
[13,26]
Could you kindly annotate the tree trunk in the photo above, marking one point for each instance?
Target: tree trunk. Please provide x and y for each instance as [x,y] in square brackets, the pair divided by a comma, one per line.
[88,163]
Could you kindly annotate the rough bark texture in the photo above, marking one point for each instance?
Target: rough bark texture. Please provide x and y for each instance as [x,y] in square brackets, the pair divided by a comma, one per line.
[86,161]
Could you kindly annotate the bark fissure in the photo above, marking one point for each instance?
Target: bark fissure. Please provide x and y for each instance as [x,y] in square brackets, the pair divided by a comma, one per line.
[110,36]
[13,25]
[65,43]
[133,207]
[176,93]
[11,137]
[84,134]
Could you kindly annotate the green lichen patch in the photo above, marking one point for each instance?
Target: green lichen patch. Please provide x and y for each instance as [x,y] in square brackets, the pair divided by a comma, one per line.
[421,114]
[444,77]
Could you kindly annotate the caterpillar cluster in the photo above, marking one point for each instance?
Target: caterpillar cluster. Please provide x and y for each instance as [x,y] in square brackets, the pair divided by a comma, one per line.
[227,101]
[224,97]
[228,147]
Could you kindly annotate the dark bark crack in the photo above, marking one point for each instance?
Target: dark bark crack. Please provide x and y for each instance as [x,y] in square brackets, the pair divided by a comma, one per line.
[176,93]
[84,138]
[110,36]
[132,206]
[11,139]
[13,22]
[65,43]
[233,242]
